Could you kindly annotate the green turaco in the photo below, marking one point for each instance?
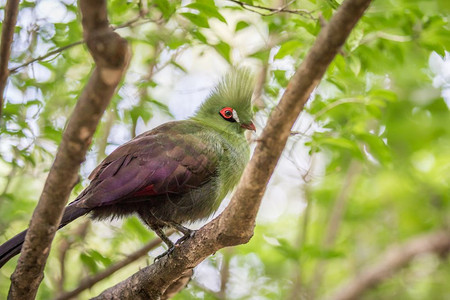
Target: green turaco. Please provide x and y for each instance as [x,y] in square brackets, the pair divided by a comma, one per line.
[174,174]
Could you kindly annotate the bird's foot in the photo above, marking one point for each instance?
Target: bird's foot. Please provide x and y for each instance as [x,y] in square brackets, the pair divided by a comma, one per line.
[168,252]
[189,233]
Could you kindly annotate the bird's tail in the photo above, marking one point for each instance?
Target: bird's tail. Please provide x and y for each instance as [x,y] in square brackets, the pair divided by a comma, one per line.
[13,246]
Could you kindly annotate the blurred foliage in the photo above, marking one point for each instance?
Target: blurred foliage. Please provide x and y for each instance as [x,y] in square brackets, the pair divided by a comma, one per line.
[375,131]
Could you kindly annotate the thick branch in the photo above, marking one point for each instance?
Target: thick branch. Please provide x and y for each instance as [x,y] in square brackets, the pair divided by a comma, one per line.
[238,219]
[8,25]
[392,261]
[111,55]
[235,225]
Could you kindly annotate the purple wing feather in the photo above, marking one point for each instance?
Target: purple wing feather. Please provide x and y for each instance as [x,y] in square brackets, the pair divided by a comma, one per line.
[165,160]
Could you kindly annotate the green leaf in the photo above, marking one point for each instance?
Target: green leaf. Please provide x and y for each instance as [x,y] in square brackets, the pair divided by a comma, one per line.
[355,64]
[280,76]
[135,227]
[162,106]
[207,10]
[178,66]
[52,133]
[262,55]
[287,250]
[198,20]
[224,49]
[384,94]
[199,36]
[141,111]
[288,48]
[376,147]
[12,109]
[89,262]
[314,251]
[165,7]
[333,3]
[175,43]
[342,143]
[98,257]
[241,25]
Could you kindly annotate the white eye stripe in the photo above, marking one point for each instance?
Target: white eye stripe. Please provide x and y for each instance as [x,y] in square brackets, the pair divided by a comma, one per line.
[235,116]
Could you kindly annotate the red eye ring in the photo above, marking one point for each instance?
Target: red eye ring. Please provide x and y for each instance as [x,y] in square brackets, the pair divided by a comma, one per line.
[226,113]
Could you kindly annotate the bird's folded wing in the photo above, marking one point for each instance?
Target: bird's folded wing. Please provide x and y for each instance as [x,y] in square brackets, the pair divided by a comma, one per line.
[154,164]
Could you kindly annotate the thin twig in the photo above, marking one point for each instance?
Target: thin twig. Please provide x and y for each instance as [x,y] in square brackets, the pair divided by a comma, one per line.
[90,281]
[337,103]
[259,87]
[224,273]
[301,238]
[334,224]
[8,25]
[42,57]
[131,23]
[394,259]
[64,246]
[102,141]
[282,9]
[386,36]
[143,90]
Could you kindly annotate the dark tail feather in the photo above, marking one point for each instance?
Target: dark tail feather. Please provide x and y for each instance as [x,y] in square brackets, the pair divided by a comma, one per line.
[13,246]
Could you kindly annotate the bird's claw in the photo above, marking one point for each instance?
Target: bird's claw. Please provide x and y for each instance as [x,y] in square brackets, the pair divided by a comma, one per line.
[168,252]
[187,233]
[186,236]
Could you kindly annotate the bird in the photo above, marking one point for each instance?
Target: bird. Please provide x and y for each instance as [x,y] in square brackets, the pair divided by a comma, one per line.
[174,174]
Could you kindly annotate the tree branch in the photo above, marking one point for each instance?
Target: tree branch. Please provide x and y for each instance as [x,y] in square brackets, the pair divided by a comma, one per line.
[42,57]
[79,233]
[334,223]
[392,261]
[131,23]
[90,281]
[272,11]
[235,225]
[8,25]
[111,55]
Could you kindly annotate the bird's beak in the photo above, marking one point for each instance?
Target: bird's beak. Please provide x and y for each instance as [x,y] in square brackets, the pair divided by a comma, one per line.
[249,126]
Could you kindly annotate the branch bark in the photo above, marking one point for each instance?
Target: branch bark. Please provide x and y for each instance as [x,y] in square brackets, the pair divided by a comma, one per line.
[111,55]
[235,225]
[392,261]
[8,25]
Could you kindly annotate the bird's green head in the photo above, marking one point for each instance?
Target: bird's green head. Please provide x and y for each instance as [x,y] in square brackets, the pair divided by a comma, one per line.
[229,105]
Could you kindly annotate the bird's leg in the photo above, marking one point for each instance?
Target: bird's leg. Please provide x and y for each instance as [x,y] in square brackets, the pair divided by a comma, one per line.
[166,240]
[164,237]
[187,233]
[159,232]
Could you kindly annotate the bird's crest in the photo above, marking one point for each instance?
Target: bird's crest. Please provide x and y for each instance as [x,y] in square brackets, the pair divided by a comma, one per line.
[234,90]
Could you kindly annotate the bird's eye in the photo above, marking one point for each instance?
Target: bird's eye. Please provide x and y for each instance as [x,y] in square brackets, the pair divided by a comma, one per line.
[227,114]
